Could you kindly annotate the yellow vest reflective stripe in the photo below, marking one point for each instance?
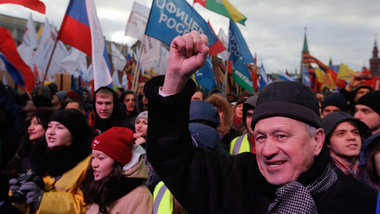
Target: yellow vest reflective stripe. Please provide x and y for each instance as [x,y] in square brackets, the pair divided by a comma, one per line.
[163,201]
[240,144]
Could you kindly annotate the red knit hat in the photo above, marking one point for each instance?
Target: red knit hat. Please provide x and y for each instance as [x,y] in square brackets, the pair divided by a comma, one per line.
[116,142]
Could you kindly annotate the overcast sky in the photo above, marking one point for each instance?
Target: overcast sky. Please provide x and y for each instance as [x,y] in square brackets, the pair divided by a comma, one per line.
[343,30]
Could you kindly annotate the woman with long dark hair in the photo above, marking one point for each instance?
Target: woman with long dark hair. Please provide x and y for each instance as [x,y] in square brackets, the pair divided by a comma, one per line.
[115,181]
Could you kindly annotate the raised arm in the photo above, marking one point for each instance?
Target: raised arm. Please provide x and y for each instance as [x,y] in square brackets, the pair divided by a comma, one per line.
[187,54]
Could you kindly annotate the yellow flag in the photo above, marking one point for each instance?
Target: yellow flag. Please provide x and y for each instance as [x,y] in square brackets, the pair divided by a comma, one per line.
[328,81]
[234,13]
[345,73]
[319,74]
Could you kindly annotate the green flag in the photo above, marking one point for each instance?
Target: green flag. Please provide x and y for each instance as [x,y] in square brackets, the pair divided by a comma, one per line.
[242,80]
[224,8]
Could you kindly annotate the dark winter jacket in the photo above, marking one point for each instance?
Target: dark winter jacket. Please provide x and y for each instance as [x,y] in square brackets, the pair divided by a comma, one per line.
[209,183]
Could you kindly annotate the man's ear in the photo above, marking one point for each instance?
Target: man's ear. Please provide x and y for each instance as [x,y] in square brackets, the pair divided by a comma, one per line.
[319,137]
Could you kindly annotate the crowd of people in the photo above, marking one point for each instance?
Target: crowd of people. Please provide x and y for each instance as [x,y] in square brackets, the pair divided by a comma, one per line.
[170,148]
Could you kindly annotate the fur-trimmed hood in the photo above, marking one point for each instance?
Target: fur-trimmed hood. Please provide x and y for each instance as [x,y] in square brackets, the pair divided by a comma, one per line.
[136,167]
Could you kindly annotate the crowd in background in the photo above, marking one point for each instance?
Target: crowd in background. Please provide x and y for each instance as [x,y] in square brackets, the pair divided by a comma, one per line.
[74,152]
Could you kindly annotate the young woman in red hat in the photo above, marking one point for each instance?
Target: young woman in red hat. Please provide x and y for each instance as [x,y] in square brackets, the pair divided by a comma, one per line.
[115,181]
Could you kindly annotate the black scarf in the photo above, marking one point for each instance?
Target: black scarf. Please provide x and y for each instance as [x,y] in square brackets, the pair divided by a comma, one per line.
[293,197]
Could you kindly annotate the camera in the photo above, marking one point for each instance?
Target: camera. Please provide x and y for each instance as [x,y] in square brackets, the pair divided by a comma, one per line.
[19,196]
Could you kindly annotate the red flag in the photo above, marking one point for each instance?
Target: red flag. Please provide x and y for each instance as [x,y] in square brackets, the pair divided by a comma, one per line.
[374,82]
[31,4]
[230,67]
[253,71]
[201,2]
[8,48]
[218,46]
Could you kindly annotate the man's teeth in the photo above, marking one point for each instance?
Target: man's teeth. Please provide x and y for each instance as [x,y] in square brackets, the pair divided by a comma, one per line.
[277,163]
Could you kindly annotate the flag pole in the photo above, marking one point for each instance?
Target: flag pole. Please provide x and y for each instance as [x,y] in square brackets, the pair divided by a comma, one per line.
[137,72]
[225,81]
[48,65]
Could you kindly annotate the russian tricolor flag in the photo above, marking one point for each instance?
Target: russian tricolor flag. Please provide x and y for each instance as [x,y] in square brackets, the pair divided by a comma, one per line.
[16,67]
[81,29]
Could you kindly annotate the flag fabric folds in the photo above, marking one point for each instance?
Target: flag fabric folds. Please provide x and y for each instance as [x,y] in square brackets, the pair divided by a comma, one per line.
[205,76]
[75,62]
[12,70]
[31,4]
[242,80]
[306,77]
[81,29]
[43,53]
[218,46]
[224,8]
[29,43]
[172,18]
[118,60]
[345,73]
[224,39]
[263,77]
[137,21]
[30,35]
[9,51]
[286,77]
[239,51]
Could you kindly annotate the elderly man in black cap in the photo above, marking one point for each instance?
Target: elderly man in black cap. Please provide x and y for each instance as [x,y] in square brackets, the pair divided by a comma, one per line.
[290,172]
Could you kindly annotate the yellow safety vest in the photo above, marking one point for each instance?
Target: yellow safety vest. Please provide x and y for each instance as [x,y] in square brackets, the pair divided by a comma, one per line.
[162,199]
[240,144]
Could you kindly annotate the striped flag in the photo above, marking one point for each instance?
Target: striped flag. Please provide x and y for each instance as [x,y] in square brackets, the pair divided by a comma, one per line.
[224,8]
[81,29]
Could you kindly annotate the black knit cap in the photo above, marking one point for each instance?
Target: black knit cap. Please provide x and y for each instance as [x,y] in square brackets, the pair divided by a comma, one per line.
[337,100]
[73,120]
[332,120]
[287,99]
[372,100]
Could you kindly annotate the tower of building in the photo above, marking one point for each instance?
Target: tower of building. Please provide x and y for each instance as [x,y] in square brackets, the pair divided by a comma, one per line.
[374,62]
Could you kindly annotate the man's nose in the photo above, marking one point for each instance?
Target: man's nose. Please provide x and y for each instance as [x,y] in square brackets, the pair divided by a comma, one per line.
[270,148]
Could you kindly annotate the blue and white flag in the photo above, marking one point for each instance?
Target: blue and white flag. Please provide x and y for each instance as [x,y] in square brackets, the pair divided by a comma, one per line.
[240,55]
[286,77]
[306,77]
[171,18]
[205,76]
[263,77]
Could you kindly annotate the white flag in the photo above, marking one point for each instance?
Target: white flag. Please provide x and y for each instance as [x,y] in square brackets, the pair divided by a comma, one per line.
[26,53]
[116,80]
[118,60]
[137,21]
[163,63]
[88,74]
[224,39]
[124,81]
[30,35]
[42,56]
[74,62]
[150,55]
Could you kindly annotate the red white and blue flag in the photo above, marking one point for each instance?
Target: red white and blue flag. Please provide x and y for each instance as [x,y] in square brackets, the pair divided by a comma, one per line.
[19,71]
[81,29]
